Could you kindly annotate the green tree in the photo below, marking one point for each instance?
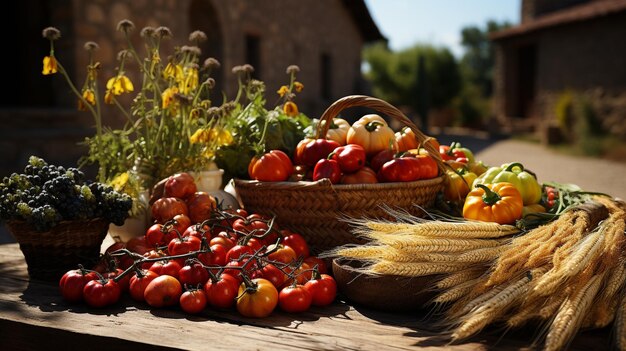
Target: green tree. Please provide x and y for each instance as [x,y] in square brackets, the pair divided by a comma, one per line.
[478,60]
[395,78]
[476,66]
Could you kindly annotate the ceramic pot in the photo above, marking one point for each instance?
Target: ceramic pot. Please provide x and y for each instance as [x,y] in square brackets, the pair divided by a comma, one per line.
[211,182]
[134,226]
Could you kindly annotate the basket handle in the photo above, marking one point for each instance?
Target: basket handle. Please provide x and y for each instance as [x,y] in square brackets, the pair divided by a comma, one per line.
[383,107]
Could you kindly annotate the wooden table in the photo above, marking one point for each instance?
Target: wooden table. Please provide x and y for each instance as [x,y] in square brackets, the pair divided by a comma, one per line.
[33,316]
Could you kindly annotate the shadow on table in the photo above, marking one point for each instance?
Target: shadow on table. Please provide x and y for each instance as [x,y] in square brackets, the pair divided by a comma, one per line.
[47,298]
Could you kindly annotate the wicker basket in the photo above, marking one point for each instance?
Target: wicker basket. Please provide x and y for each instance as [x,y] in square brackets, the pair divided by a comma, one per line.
[316,209]
[50,254]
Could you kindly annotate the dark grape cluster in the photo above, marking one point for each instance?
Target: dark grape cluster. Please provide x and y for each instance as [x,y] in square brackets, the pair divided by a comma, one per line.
[45,194]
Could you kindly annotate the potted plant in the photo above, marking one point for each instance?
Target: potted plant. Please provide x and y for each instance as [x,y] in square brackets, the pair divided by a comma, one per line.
[172,125]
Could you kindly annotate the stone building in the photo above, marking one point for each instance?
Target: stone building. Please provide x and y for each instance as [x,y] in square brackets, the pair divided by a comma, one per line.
[38,115]
[562,47]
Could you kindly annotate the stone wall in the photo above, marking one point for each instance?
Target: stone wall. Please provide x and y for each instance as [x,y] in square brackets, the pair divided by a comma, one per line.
[584,58]
[290,32]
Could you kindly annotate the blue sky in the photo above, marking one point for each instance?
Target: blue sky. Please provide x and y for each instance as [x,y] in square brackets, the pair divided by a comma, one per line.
[438,22]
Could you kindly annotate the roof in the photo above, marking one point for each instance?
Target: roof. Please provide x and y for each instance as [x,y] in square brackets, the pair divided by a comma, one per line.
[570,15]
[363,20]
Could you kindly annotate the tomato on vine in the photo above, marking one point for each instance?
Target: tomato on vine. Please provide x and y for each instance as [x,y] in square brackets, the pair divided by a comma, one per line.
[323,289]
[294,298]
[221,291]
[193,273]
[257,298]
[139,282]
[73,282]
[163,290]
[273,166]
[193,301]
[101,292]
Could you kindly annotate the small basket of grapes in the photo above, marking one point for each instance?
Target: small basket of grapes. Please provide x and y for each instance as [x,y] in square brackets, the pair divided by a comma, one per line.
[58,218]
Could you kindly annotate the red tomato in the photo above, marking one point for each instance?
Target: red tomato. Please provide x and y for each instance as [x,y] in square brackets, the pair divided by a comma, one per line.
[297,243]
[182,222]
[193,301]
[323,290]
[402,169]
[428,167]
[326,168]
[183,245]
[101,293]
[274,166]
[200,206]
[294,299]
[238,251]
[171,268]
[217,256]
[73,282]
[193,274]
[223,240]
[154,235]
[273,274]
[380,158]
[139,282]
[255,244]
[138,245]
[198,231]
[221,292]
[122,283]
[281,253]
[313,261]
[180,185]
[167,208]
[316,150]
[259,300]
[163,290]
[351,157]
[364,175]
[151,254]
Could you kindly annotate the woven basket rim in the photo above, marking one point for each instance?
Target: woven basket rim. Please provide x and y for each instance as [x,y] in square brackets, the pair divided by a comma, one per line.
[326,183]
[18,221]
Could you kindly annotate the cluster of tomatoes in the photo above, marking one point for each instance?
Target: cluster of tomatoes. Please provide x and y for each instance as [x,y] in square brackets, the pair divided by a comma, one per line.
[229,259]
[368,152]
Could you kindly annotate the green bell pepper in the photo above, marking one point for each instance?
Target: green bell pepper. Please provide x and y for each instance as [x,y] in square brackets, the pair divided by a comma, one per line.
[515,174]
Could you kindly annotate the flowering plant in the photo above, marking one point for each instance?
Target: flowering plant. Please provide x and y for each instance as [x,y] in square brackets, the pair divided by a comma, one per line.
[171,125]
[255,129]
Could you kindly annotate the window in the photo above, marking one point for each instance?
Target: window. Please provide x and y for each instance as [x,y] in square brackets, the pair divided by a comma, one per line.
[326,73]
[253,54]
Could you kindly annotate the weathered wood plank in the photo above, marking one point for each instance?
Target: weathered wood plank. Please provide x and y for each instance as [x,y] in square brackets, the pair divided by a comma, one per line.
[32,312]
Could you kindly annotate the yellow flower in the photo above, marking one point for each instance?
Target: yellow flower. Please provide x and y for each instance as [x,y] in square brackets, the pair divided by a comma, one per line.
[283,90]
[223,137]
[298,86]
[200,136]
[119,182]
[49,65]
[108,97]
[290,109]
[168,96]
[155,57]
[190,81]
[219,135]
[120,84]
[89,96]
[173,71]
